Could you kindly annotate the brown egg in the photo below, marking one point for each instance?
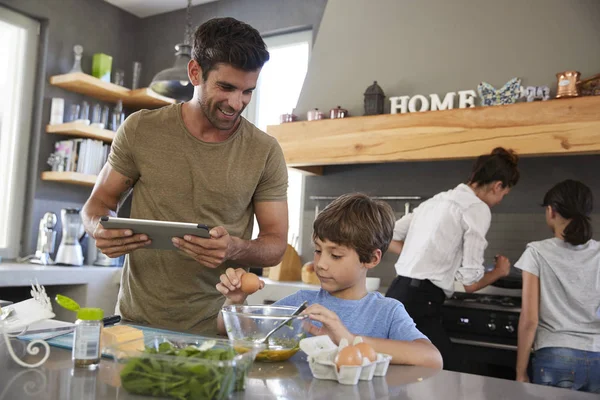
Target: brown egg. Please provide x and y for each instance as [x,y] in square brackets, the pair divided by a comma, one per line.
[349,355]
[310,266]
[367,351]
[250,283]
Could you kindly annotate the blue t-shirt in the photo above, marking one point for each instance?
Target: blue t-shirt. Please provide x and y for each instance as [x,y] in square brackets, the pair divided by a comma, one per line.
[372,316]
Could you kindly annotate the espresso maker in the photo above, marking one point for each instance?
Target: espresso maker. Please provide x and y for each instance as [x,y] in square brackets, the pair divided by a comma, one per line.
[45,241]
[70,251]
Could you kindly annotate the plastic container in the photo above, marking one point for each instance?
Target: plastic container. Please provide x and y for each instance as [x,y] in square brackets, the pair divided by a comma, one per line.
[254,322]
[184,367]
[322,352]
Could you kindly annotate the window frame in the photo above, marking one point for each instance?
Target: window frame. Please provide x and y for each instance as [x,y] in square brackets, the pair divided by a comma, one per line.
[16,164]
[251,113]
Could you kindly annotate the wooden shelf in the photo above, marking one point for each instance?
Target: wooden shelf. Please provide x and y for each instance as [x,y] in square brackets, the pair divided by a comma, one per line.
[81,130]
[75,178]
[91,86]
[554,127]
[146,98]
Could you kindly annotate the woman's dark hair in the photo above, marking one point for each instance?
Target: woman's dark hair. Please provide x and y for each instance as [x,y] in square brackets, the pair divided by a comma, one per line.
[228,41]
[499,165]
[572,200]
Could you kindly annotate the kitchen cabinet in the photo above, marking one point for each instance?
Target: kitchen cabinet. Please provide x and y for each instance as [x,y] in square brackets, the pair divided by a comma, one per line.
[554,127]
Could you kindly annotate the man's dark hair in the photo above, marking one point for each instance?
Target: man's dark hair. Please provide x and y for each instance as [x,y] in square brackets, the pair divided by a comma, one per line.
[228,41]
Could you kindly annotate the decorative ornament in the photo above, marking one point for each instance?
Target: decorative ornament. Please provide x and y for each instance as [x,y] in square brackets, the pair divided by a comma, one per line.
[532,93]
[17,318]
[589,86]
[374,98]
[78,51]
[507,94]
[403,104]
[567,84]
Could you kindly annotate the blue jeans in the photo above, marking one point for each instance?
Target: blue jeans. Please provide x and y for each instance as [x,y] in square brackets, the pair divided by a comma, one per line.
[567,368]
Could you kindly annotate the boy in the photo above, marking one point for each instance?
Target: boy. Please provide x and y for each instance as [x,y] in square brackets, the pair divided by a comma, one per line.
[350,236]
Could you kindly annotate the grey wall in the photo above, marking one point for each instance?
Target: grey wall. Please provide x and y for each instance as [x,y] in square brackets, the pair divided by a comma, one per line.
[98,27]
[516,221]
[158,34]
[387,47]
[437,46]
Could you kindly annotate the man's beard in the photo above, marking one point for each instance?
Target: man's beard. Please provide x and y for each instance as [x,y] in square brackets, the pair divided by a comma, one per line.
[211,111]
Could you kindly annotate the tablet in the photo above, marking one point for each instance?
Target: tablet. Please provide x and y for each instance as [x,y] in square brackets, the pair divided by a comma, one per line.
[160,232]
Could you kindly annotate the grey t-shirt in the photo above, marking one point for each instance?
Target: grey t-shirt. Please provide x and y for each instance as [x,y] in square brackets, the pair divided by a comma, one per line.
[569,292]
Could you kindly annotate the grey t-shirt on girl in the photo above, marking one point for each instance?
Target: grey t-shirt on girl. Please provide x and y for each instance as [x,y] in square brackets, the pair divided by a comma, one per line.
[569,292]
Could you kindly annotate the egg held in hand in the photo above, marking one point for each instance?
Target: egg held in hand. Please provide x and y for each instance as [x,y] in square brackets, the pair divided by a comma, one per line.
[367,351]
[250,283]
[349,356]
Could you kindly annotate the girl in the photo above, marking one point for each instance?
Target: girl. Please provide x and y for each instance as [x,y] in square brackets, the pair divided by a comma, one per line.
[443,240]
[561,296]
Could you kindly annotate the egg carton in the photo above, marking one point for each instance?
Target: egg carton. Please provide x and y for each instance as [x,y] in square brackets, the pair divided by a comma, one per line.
[322,353]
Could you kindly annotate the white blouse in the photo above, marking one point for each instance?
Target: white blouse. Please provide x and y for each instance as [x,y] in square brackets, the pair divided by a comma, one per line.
[444,239]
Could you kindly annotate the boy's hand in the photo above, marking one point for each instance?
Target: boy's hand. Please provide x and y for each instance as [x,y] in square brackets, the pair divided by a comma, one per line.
[332,326]
[231,284]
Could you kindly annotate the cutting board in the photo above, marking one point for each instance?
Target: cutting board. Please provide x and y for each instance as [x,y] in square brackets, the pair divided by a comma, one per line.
[289,269]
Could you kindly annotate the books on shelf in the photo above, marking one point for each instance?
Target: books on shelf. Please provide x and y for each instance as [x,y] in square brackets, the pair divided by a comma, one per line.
[86,156]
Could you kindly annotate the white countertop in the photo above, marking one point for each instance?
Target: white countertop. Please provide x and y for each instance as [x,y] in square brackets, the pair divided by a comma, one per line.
[16,274]
[275,290]
[87,285]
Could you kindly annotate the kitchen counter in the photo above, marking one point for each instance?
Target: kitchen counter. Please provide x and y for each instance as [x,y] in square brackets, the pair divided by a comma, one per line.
[15,274]
[57,380]
[276,290]
[89,286]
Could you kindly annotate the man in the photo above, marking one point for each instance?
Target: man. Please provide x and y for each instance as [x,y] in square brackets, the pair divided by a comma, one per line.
[199,162]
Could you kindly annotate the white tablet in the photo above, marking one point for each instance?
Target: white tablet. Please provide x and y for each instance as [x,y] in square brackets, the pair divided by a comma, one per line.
[160,232]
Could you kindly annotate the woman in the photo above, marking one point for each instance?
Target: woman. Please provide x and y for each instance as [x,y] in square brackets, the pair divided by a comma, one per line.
[443,240]
[561,296]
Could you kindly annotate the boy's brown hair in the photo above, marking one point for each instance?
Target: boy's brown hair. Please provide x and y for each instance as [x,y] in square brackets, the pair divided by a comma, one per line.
[355,220]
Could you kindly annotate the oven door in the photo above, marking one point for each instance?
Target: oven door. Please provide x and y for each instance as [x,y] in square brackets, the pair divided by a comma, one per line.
[480,357]
[484,341]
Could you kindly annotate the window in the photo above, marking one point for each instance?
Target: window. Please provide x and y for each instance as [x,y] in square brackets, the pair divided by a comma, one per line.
[18,50]
[277,93]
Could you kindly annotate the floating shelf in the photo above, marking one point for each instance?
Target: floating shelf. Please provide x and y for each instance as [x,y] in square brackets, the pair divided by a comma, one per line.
[91,86]
[74,178]
[554,127]
[81,130]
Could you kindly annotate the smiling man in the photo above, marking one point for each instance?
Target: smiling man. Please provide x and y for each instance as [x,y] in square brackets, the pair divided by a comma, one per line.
[199,162]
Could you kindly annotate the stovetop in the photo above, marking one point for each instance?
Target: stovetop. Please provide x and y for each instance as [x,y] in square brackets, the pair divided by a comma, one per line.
[485,302]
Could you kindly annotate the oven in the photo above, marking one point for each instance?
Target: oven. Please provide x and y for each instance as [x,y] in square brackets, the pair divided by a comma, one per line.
[483,330]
